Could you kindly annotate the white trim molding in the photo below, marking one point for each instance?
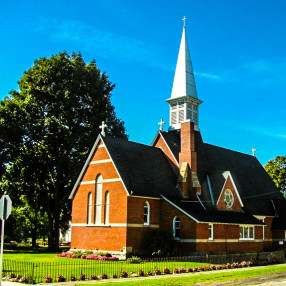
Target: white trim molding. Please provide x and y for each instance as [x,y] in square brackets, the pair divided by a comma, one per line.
[116,225]
[103,181]
[100,161]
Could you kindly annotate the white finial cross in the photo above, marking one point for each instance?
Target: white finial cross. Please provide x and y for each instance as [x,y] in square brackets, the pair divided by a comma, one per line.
[184,19]
[253,151]
[161,123]
[102,127]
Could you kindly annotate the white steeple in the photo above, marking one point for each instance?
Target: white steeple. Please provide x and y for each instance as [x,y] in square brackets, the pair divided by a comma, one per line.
[184,102]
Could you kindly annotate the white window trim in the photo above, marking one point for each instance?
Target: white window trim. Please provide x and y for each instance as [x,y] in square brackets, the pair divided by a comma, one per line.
[212,231]
[148,214]
[250,238]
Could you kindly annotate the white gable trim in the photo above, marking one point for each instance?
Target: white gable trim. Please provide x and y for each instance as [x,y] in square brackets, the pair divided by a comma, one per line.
[228,175]
[160,133]
[171,203]
[77,183]
[87,162]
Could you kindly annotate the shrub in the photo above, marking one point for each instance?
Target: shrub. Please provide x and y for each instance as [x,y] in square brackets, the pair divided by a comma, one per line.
[182,270]
[157,272]
[103,275]
[73,278]
[195,269]
[234,265]
[18,278]
[213,267]
[114,276]
[12,275]
[93,277]
[166,270]
[82,276]
[124,274]
[25,280]
[228,265]
[176,270]
[83,256]
[190,269]
[249,264]
[134,259]
[61,278]
[207,268]
[149,273]
[48,279]
[141,272]
[201,268]
[219,267]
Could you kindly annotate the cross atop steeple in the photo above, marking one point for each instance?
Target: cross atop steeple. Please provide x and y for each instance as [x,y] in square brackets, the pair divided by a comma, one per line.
[184,19]
[161,123]
[253,151]
[102,127]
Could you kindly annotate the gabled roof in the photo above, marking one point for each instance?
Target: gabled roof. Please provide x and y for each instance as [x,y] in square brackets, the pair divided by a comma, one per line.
[252,182]
[145,170]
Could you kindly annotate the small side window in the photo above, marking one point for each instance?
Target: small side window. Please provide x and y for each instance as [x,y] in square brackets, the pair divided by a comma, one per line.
[176,228]
[146,213]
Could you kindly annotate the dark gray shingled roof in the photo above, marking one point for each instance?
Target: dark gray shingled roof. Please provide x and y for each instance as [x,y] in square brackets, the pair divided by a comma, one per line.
[279,222]
[196,210]
[145,170]
[255,187]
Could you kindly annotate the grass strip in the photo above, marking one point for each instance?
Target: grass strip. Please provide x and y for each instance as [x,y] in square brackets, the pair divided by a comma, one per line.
[203,277]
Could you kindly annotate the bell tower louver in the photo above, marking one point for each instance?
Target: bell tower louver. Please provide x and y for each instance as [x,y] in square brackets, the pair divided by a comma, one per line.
[184,102]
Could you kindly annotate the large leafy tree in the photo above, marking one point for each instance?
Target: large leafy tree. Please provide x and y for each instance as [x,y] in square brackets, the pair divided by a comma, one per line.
[47,129]
[276,168]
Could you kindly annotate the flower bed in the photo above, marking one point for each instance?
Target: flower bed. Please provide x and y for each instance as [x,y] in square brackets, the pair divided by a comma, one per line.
[88,257]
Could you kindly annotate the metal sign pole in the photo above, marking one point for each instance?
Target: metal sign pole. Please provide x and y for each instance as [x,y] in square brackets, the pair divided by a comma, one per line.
[2,243]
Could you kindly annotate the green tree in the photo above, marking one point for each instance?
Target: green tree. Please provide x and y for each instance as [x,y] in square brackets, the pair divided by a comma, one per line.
[276,169]
[47,129]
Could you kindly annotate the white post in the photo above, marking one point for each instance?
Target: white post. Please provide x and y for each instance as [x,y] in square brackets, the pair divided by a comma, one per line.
[2,243]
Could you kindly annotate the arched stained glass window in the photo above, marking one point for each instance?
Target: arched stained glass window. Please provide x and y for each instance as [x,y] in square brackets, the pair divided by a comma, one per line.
[98,199]
[106,208]
[89,208]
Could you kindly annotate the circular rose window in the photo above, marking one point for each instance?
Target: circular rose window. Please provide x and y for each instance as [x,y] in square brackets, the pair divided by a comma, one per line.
[228,198]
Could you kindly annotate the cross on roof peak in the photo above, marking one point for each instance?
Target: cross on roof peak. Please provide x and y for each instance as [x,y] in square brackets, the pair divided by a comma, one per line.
[161,123]
[253,151]
[102,127]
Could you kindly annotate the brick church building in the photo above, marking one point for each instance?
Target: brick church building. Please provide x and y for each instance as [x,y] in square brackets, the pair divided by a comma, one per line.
[213,199]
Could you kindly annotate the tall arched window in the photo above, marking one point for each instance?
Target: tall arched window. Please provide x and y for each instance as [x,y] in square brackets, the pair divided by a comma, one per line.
[176,227]
[146,213]
[98,199]
[89,208]
[106,208]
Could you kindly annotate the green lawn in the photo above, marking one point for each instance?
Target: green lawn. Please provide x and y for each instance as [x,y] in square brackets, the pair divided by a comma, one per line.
[205,277]
[33,257]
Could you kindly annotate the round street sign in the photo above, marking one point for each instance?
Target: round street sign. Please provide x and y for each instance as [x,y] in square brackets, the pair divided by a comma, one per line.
[5,207]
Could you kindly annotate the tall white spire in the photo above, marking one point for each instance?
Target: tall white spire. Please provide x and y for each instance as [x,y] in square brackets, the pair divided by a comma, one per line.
[184,81]
[184,100]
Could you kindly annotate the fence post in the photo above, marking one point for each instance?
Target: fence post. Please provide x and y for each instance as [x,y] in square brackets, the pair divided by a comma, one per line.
[33,267]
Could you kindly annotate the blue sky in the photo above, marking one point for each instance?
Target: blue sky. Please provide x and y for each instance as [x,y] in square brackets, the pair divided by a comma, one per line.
[238,51]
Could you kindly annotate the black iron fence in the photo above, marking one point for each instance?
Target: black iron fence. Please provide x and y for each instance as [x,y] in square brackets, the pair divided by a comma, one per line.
[37,271]
[68,268]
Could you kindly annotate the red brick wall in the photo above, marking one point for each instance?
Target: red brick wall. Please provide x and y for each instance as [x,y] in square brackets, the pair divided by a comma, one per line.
[160,143]
[236,204]
[101,237]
